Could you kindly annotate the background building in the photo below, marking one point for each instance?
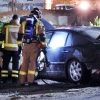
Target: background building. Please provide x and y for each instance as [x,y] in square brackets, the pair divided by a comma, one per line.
[8,5]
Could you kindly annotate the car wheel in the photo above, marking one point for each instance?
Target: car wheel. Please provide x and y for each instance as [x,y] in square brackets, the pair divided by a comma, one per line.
[77,72]
[40,61]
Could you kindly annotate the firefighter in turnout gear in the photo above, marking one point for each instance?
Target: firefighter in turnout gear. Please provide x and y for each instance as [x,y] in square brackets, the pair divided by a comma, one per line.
[31,49]
[10,49]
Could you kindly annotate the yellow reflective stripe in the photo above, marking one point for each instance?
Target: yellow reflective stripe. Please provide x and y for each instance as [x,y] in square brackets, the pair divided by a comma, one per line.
[4,75]
[14,71]
[23,27]
[22,73]
[10,45]
[14,26]
[37,24]
[13,75]
[6,35]
[4,71]
[2,44]
[31,72]
[19,42]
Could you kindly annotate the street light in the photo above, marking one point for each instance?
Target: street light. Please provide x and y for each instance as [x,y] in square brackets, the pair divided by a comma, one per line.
[84,5]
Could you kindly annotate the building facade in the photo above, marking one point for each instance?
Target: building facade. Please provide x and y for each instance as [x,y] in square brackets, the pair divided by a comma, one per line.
[6,5]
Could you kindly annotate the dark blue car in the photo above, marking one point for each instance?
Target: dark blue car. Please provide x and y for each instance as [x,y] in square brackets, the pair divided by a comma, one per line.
[71,54]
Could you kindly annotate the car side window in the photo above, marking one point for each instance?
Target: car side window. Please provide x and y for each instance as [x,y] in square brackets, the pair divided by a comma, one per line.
[69,40]
[58,39]
[79,39]
[48,36]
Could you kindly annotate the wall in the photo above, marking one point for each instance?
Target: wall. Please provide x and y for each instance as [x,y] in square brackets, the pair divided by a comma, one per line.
[58,18]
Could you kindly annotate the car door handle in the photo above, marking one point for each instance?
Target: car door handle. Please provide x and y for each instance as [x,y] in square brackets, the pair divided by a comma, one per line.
[64,51]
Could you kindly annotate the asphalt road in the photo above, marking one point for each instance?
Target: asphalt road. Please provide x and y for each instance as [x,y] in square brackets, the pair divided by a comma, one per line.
[52,90]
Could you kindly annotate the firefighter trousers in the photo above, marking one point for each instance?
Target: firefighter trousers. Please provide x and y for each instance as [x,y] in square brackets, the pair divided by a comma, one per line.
[15,62]
[28,68]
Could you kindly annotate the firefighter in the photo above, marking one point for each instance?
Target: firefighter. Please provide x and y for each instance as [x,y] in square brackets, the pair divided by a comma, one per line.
[30,51]
[10,49]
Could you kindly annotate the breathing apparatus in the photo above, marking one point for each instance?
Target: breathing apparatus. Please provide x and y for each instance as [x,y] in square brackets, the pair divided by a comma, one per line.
[30,25]
[29,30]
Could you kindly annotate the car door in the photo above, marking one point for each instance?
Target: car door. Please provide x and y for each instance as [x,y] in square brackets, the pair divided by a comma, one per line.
[68,48]
[54,52]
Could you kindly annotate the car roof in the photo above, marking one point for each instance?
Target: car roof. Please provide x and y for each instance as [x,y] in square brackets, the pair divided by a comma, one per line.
[78,28]
[93,33]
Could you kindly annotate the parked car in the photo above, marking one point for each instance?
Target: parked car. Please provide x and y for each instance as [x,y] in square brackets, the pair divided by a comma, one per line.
[64,7]
[70,55]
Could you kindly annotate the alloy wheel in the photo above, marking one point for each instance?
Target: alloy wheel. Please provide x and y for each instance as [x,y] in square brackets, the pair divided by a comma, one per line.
[75,71]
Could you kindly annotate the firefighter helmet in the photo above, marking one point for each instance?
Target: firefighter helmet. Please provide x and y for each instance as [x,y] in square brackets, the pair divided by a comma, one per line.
[36,12]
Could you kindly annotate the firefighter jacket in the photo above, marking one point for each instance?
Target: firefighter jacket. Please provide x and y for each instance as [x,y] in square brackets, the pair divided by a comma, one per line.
[38,30]
[11,34]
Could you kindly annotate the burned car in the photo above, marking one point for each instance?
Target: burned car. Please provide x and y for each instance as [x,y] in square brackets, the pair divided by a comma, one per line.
[70,55]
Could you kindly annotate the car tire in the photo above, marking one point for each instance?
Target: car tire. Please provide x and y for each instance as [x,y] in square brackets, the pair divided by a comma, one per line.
[40,61]
[77,72]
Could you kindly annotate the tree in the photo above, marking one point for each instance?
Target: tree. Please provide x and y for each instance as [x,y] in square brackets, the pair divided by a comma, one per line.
[96,22]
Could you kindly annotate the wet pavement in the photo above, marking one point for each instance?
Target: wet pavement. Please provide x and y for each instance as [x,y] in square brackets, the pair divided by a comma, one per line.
[44,86]
[48,90]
